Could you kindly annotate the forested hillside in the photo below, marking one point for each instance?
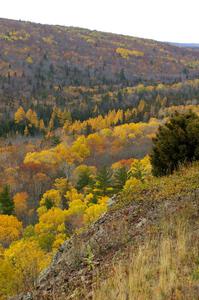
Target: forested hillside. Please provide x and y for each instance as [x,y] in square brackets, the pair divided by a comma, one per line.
[83,71]
[88,120]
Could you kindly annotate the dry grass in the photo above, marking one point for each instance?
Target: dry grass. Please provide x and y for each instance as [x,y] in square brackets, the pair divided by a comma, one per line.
[162,268]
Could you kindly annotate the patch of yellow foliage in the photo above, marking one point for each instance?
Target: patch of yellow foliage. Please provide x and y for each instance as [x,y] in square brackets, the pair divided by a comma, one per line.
[20,265]
[10,229]
[125,53]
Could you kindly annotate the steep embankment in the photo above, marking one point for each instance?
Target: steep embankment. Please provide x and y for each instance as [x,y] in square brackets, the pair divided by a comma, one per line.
[138,216]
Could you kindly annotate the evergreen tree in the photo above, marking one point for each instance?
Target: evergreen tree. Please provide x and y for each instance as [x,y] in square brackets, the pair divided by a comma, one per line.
[6,202]
[84,179]
[103,184]
[120,177]
[176,142]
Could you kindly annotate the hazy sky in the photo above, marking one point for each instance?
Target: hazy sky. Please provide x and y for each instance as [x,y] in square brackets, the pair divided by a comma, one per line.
[165,20]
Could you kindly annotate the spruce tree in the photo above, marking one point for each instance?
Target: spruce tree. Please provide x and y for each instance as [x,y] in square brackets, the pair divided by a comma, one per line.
[103,185]
[120,177]
[84,179]
[176,143]
[6,202]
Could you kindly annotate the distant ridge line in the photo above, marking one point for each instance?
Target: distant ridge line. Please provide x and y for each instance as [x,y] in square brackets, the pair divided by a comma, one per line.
[186,45]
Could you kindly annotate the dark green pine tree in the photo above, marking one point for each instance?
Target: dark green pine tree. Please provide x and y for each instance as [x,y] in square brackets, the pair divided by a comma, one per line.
[84,179]
[176,143]
[6,202]
[119,178]
[103,184]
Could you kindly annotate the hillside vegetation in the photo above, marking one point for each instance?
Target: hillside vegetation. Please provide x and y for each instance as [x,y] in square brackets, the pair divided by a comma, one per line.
[85,72]
[87,119]
[146,245]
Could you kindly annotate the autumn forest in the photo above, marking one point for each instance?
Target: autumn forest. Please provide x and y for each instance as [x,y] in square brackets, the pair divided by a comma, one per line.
[79,112]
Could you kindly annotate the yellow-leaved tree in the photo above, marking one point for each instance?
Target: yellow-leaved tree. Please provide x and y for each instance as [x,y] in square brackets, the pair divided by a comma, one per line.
[62,185]
[51,229]
[10,229]
[94,211]
[20,115]
[20,204]
[140,169]
[32,117]
[20,265]
[51,198]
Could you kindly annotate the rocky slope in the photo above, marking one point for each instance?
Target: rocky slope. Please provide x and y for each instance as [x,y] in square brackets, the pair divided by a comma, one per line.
[134,217]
